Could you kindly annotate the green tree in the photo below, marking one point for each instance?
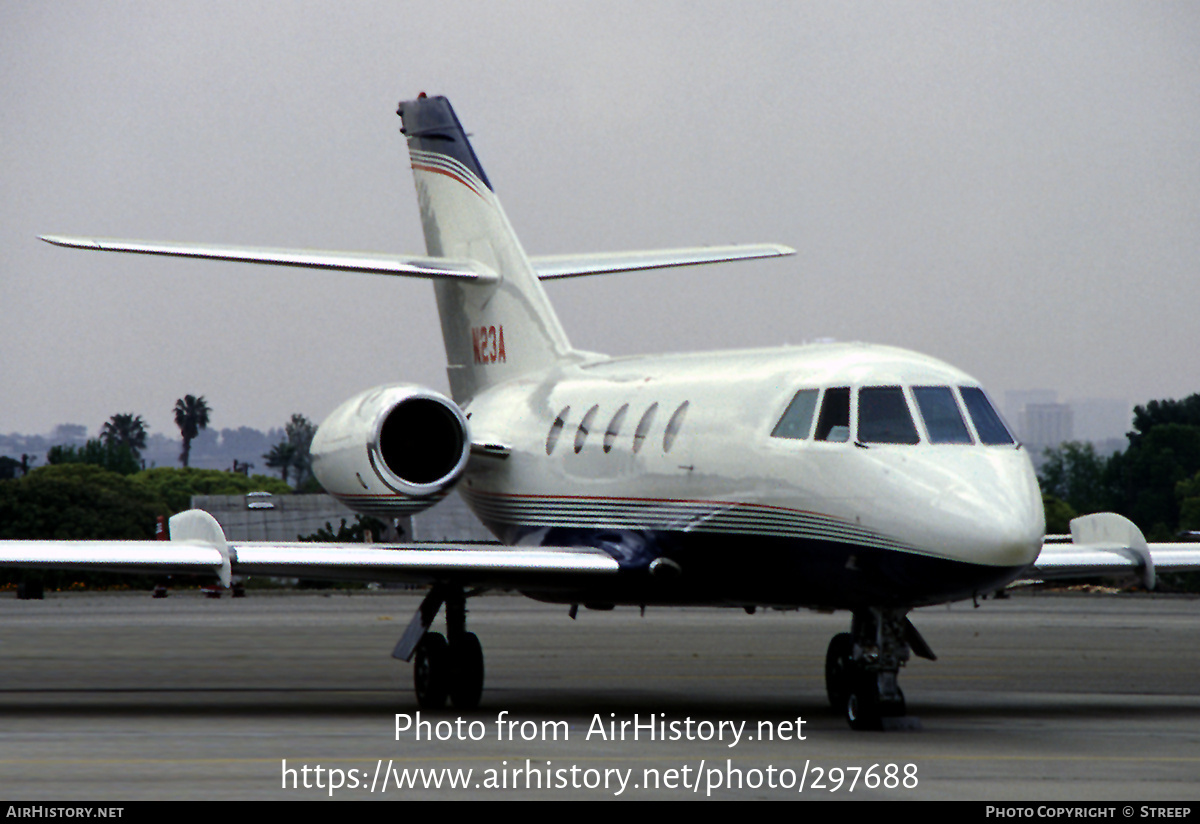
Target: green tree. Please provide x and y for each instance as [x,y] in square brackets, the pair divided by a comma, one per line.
[77,501]
[1185,412]
[300,431]
[293,452]
[127,429]
[1075,474]
[1058,515]
[175,486]
[1188,493]
[191,415]
[1145,476]
[280,457]
[113,456]
[9,467]
[1164,451]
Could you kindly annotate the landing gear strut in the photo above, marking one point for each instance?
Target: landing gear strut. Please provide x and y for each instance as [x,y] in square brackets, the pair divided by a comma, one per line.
[443,669]
[862,666]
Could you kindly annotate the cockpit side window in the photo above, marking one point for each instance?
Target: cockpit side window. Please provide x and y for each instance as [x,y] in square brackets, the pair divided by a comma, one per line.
[988,424]
[883,416]
[834,423]
[943,420]
[797,420]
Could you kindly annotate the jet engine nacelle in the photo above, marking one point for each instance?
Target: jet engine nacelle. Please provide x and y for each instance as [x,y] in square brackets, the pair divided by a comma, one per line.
[392,450]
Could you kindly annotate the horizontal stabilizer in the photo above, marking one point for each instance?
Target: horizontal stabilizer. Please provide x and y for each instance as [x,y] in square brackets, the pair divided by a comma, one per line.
[1108,544]
[569,266]
[362,262]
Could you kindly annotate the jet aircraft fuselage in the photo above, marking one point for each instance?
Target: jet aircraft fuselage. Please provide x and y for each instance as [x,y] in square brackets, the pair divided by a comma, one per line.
[830,475]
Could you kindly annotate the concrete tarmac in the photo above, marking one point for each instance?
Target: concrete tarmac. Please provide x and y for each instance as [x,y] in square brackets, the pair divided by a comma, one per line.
[119,697]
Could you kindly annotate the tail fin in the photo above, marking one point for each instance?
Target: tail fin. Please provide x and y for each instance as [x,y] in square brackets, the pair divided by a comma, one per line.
[493,331]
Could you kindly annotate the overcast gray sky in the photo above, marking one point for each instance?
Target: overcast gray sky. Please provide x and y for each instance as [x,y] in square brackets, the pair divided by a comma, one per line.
[1013,187]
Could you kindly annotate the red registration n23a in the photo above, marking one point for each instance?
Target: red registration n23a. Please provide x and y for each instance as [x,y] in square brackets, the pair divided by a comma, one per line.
[488,343]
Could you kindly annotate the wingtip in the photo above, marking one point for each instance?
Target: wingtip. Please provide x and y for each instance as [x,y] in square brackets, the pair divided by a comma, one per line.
[70,242]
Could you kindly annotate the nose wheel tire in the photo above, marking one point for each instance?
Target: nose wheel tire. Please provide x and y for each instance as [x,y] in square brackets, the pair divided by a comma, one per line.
[865,709]
[862,711]
[839,670]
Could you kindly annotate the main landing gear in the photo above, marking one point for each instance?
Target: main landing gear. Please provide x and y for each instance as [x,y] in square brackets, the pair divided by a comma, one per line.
[862,666]
[443,668]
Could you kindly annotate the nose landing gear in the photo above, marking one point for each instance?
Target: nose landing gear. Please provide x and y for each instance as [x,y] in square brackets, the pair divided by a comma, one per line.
[862,666]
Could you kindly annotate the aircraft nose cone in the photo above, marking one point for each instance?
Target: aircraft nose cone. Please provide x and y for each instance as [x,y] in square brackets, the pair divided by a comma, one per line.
[975,505]
[995,515]
[1011,532]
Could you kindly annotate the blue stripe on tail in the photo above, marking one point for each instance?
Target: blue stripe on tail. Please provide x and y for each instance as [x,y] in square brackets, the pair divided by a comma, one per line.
[431,126]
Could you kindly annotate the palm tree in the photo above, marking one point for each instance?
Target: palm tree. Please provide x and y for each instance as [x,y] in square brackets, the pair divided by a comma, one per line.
[300,431]
[281,457]
[191,415]
[125,430]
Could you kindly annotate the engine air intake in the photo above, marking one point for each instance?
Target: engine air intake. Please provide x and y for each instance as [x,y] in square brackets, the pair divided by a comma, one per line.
[421,441]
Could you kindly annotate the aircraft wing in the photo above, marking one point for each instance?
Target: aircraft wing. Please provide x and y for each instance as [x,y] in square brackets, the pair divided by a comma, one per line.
[363,262]
[1108,544]
[198,546]
[113,556]
[549,267]
[425,563]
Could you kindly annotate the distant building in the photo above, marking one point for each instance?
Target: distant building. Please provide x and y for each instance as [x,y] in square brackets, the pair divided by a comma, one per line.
[1042,422]
[1046,424]
[1016,400]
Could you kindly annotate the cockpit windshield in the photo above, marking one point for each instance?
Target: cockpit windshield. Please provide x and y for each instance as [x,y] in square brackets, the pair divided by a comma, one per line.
[797,420]
[883,416]
[834,423]
[943,420]
[988,424]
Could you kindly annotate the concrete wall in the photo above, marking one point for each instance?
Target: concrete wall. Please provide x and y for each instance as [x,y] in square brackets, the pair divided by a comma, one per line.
[450,520]
[289,516]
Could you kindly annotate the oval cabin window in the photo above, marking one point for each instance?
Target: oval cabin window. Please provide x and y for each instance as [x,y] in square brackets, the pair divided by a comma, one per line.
[643,427]
[673,426]
[585,426]
[614,428]
[556,429]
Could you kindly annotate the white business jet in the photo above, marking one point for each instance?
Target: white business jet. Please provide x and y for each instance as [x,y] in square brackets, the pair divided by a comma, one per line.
[833,476]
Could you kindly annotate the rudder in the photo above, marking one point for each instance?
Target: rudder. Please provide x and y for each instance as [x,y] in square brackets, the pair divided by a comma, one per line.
[492,331]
